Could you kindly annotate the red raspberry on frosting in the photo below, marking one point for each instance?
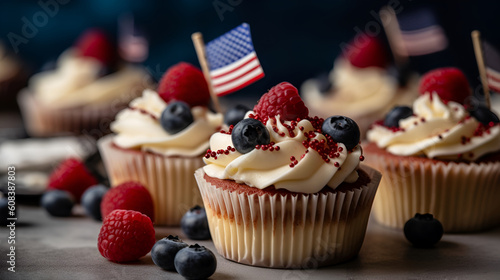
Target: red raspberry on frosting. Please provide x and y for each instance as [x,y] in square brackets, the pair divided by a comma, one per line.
[449,83]
[284,100]
[366,51]
[72,176]
[95,43]
[184,82]
[125,235]
[128,196]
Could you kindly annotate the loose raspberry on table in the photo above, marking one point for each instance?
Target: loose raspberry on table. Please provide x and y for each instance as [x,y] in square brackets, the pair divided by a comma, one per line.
[125,235]
[71,175]
[128,196]
[449,83]
[184,82]
[284,100]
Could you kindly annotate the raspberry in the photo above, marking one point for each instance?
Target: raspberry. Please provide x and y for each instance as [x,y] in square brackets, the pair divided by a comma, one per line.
[94,43]
[284,100]
[72,176]
[125,235]
[449,83]
[184,82]
[367,51]
[128,196]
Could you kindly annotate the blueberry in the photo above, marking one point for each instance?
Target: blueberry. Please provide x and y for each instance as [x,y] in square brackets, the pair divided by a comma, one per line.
[423,230]
[164,251]
[248,133]
[397,113]
[342,130]
[58,203]
[484,115]
[235,114]
[91,201]
[195,262]
[176,117]
[195,224]
[4,211]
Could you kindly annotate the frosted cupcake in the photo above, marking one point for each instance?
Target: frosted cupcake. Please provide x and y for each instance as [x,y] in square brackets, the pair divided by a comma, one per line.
[284,190]
[359,85]
[438,158]
[160,140]
[84,91]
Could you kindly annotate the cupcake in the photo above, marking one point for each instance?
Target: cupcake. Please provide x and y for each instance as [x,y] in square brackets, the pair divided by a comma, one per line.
[438,157]
[360,85]
[160,140]
[13,77]
[284,190]
[84,91]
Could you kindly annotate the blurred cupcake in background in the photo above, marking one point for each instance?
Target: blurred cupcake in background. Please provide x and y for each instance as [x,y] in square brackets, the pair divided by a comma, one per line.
[439,157]
[160,140]
[361,84]
[283,189]
[13,77]
[84,91]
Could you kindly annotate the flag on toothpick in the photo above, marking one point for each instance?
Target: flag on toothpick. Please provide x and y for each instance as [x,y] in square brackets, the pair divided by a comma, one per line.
[232,61]
[133,45]
[421,33]
[492,65]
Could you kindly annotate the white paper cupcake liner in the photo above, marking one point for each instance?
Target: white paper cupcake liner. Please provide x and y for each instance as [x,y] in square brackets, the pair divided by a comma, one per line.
[288,231]
[464,197]
[44,121]
[169,180]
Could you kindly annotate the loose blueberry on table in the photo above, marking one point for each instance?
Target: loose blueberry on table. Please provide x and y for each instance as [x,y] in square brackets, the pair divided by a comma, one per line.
[423,230]
[58,203]
[91,201]
[195,224]
[248,133]
[176,116]
[195,262]
[164,251]
[342,130]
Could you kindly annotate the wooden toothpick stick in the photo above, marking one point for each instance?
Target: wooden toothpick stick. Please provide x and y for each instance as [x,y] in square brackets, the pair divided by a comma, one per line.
[199,46]
[476,40]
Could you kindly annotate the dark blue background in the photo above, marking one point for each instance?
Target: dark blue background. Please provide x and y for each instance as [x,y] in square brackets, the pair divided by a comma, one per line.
[294,40]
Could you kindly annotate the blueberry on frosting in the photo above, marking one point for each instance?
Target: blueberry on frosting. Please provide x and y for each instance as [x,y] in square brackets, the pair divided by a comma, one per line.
[396,114]
[484,115]
[248,133]
[342,130]
[176,116]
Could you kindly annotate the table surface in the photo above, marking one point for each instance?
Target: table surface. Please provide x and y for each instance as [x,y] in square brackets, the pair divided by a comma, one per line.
[66,248]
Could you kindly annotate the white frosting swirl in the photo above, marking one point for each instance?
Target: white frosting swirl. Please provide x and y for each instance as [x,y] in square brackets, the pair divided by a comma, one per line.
[138,127]
[77,82]
[438,130]
[356,91]
[262,168]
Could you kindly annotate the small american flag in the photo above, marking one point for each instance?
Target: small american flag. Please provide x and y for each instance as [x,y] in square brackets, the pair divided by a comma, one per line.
[232,61]
[132,44]
[421,33]
[492,65]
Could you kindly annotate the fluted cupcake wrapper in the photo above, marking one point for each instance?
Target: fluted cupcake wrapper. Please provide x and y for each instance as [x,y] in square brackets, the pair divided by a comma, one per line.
[463,196]
[169,180]
[288,231]
[44,121]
